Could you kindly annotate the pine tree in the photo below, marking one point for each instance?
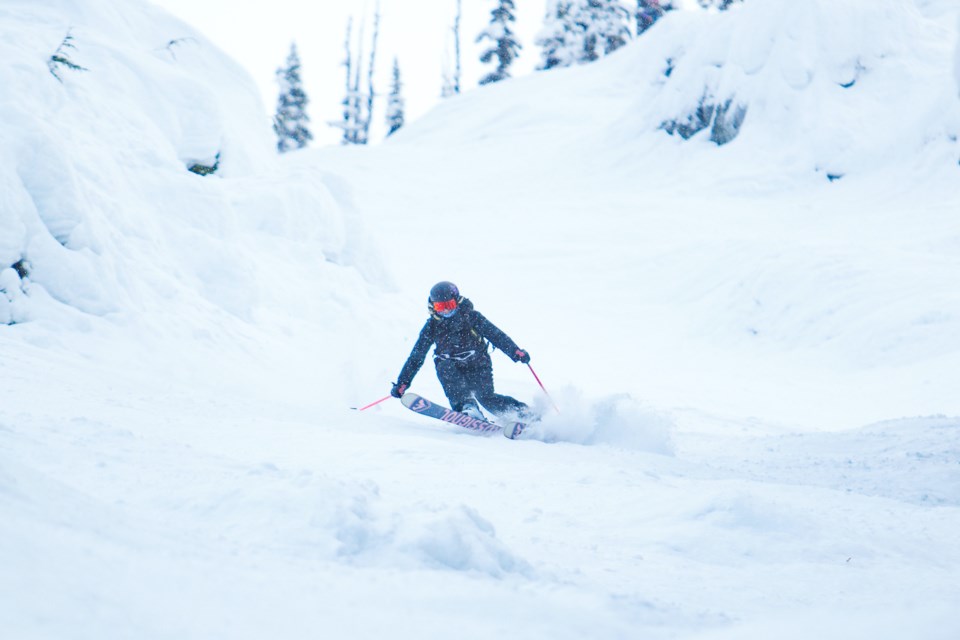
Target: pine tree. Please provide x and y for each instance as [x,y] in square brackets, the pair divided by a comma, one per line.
[290,121]
[605,23]
[560,38]
[649,11]
[451,78]
[357,104]
[351,107]
[371,93]
[354,94]
[504,45]
[455,85]
[581,31]
[395,103]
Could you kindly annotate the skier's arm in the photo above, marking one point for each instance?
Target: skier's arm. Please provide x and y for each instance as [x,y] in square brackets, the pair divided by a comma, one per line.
[417,356]
[497,337]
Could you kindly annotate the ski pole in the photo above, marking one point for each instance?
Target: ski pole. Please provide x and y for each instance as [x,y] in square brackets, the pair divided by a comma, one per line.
[373,403]
[537,378]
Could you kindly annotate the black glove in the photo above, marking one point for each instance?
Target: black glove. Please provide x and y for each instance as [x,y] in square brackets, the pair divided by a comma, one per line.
[521,356]
[398,389]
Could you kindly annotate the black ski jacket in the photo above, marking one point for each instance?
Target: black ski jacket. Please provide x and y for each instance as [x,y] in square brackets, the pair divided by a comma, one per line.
[463,337]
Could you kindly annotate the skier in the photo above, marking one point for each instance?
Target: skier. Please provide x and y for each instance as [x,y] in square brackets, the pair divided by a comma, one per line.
[464,368]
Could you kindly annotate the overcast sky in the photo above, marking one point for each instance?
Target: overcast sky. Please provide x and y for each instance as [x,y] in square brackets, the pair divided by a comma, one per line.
[258,35]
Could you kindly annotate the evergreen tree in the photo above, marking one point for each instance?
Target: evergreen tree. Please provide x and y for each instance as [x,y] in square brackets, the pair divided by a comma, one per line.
[580,31]
[451,78]
[455,85]
[354,95]
[290,121]
[560,38]
[649,11]
[605,24]
[350,122]
[395,103]
[585,37]
[503,42]
[358,104]
[368,115]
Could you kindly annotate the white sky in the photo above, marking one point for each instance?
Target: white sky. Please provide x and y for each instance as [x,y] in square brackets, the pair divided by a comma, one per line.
[258,35]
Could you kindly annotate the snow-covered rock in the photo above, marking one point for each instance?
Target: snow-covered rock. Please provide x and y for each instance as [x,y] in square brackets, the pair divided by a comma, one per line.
[106,107]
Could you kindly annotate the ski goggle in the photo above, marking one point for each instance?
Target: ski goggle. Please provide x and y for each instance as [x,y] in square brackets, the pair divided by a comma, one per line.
[445,307]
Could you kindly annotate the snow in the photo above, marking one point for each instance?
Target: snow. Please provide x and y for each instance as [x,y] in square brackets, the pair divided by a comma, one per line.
[755,365]
[956,64]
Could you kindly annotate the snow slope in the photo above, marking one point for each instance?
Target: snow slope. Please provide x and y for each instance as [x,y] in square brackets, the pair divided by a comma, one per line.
[741,275]
[755,364]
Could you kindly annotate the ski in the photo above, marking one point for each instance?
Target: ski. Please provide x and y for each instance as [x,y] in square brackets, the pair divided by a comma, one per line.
[425,407]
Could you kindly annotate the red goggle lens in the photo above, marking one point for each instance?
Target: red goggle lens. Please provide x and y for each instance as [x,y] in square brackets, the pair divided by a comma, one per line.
[445,306]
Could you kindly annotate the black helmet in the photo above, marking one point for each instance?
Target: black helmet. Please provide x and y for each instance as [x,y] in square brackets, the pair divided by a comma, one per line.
[443,291]
[444,298]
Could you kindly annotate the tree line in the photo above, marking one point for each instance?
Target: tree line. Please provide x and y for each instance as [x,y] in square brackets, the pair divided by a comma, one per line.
[573,32]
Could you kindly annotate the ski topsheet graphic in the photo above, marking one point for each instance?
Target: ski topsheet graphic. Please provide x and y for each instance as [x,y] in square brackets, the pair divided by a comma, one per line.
[423,406]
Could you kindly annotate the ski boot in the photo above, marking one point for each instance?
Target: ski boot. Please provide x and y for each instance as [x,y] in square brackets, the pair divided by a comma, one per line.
[471,409]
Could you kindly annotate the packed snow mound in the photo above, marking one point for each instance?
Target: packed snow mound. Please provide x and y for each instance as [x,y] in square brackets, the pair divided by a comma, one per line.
[816,88]
[137,172]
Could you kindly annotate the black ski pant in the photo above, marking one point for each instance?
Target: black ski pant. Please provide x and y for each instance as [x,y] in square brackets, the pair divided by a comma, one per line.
[467,380]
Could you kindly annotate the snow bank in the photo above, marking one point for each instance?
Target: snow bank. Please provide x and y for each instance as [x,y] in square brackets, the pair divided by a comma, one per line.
[138,173]
[792,70]
[836,89]
[815,89]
